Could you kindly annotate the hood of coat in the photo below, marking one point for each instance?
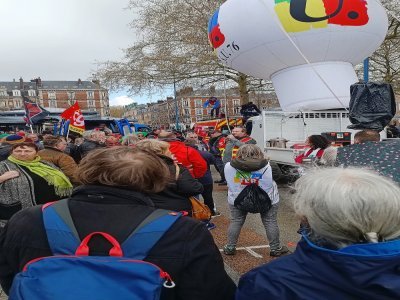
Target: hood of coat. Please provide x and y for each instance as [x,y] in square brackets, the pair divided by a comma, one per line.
[249,164]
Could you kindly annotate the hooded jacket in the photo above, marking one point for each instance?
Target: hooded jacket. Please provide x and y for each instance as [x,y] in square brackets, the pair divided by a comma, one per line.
[360,271]
[239,173]
[186,251]
[188,157]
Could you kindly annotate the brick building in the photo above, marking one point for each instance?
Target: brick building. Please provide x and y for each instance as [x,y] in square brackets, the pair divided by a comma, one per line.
[55,94]
[190,107]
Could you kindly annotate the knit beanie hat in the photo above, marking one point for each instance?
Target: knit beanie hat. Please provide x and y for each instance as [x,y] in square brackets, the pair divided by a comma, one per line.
[14,139]
[3,135]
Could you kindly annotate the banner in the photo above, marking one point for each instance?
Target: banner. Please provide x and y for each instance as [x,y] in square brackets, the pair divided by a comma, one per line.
[34,113]
[75,116]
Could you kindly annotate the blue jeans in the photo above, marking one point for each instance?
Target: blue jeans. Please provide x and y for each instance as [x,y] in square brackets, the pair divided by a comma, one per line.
[269,220]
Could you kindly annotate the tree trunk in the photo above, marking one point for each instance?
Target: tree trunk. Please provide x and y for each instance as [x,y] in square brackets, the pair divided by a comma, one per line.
[244,93]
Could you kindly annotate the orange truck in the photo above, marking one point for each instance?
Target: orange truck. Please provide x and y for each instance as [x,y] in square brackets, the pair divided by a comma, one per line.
[203,127]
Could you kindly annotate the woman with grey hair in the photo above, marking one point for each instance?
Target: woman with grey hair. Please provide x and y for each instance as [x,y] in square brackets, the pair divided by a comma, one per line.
[351,248]
[248,167]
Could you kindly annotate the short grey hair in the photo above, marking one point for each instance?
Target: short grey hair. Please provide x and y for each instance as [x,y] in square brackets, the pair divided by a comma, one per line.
[250,151]
[349,206]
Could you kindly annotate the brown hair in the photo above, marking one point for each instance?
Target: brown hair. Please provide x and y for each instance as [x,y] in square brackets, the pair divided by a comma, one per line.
[25,144]
[52,141]
[155,146]
[126,167]
[367,135]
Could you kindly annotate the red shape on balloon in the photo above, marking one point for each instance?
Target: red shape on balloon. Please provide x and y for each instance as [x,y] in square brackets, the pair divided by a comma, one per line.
[216,37]
[352,13]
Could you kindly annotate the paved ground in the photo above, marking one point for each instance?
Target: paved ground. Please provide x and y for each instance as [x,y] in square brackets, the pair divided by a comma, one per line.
[253,244]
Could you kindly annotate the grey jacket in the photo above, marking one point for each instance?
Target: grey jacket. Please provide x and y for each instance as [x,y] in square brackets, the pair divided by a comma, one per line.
[19,190]
[229,147]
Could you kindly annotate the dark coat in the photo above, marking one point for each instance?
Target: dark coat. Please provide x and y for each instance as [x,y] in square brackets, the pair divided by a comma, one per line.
[364,271]
[176,194]
[186,251]
[5,150]
[88,146]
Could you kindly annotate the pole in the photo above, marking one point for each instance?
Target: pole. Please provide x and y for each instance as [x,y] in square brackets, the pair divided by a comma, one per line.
[30,125]
[366,69]
[176,108]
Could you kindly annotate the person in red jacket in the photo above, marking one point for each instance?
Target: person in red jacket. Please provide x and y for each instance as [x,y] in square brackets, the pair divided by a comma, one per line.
[187,156]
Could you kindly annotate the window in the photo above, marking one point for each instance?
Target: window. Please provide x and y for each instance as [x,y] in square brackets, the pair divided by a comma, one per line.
[16,93]
[3,93]
[198,102]
[71,95]
[52,95]
[2,103]
[17,104]
[104,95]
[185,103]
[236,102]
[187,111]
[91,103]
[31,93]
[90,94]
[199,111]
[52,103]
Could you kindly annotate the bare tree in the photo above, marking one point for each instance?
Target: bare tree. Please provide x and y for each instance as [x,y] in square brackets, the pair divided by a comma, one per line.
[385,62]
[173,47]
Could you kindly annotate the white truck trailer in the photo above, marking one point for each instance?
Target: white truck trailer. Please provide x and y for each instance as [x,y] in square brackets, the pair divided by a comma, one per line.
[277,132]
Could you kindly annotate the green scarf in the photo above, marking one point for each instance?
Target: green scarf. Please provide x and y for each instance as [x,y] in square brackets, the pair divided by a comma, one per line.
[61,183]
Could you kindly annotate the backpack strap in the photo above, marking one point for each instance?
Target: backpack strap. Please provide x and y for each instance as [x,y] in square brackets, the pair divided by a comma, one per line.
[60,229]
[148,233]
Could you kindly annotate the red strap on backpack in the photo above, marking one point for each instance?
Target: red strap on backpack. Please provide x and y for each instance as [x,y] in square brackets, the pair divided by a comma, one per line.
[83,249]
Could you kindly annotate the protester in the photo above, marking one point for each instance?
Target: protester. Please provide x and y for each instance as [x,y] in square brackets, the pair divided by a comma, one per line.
[140,136]
[112,141]
[176,194]
[130,140]
[34,138]
[113,199]
[251,166]
[238,138]
[26,180]
[350,249]
[320,151]
[206,180]
[7,144]
[194,139]
[187,156]
[93,139]
[217,144]
[247,111]
[371,153]
[54,147]
[215,104]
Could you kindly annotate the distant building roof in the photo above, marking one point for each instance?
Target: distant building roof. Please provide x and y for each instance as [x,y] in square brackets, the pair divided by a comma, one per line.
[50,85]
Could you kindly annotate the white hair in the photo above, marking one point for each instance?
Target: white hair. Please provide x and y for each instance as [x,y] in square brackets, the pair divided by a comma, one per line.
[348,206]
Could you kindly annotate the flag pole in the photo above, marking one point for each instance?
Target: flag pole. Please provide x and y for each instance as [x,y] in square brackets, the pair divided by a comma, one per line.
[30,126]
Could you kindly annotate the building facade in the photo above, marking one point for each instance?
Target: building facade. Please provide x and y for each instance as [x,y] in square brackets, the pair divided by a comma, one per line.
[55,94]
[189,106]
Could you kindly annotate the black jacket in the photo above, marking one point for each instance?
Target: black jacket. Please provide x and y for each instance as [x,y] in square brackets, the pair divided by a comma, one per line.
[186,251]
[5,150]
[176,194]
[86,147]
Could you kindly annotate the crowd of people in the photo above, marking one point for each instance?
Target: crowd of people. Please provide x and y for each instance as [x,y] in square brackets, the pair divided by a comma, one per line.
[349,245]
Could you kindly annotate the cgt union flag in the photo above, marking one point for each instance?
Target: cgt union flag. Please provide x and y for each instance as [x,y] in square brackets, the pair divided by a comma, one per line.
[74,114]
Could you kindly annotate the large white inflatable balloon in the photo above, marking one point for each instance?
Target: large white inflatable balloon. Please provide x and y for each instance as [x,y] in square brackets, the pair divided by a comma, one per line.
[306,47]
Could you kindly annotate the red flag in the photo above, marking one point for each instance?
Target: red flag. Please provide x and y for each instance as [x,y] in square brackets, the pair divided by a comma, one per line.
[74,114]
[34,113]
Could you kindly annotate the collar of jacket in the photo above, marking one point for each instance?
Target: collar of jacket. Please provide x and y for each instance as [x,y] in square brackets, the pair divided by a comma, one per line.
[108,194]
[249,165]
[372,250]
[168,160]
[54,149]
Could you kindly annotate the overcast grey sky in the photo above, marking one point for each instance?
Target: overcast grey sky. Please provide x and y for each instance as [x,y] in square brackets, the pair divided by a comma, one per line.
[62,39]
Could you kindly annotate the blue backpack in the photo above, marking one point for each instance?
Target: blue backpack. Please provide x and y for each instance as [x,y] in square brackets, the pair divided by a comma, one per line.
[71,274]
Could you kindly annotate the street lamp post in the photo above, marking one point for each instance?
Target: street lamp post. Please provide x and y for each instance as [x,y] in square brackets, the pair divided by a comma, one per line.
[176,108]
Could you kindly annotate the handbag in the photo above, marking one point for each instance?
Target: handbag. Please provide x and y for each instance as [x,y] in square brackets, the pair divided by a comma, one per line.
[200,211]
